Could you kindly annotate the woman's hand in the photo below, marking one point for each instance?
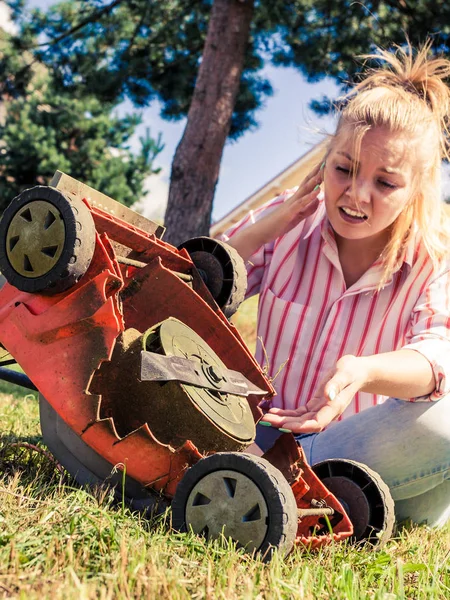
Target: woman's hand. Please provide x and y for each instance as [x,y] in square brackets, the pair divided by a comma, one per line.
[331,400]
[402,373]
[301,204]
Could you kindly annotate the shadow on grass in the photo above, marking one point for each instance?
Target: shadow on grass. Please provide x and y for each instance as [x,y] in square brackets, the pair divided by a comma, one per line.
[27,458]
[31,465]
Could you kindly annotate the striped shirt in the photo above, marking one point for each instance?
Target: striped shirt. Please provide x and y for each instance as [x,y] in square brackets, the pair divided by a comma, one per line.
[308,318]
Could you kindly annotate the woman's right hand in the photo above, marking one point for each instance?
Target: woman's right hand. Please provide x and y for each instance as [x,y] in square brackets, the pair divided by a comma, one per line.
[299,206]
[286,216]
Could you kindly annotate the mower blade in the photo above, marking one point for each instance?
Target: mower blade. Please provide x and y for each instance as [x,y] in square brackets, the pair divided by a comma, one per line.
[157,367]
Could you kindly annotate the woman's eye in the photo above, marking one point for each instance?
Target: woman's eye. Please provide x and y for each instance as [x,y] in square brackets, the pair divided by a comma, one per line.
[344,170]
[387,184]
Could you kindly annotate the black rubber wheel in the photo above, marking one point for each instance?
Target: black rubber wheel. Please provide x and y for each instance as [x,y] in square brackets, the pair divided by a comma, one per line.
[222,269]
[240,496]
[364,496]
[47,241]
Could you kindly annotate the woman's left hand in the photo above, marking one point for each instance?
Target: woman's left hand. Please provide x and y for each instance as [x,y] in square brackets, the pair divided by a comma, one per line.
[331,400]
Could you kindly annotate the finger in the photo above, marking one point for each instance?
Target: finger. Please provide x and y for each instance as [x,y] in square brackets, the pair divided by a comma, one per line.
[313,173]
[288,413]
[281,420]
[317,169]
[306,423]
[332,409]
[314,422]
[316,403]
[322,411]
[308,184]
[276,418]
[310,208]
[343,399]
[305,206]
[320,398]
[339,382]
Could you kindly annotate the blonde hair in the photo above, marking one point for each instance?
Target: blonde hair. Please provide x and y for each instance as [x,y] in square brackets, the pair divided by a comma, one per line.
[410,96]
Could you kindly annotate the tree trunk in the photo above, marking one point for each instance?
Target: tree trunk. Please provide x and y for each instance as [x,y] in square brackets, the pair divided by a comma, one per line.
[195,167]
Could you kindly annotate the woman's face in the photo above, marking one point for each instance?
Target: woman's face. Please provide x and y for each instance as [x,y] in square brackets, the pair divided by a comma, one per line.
[364,195]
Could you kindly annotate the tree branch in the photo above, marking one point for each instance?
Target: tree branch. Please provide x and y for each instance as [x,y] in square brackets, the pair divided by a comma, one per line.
[92,18]
[401,6]
[128,49]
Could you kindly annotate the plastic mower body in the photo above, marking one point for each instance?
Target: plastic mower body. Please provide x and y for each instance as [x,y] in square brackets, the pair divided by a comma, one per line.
[128,342]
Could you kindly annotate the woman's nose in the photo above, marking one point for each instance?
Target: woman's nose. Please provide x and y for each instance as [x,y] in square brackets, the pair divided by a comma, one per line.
[359,190]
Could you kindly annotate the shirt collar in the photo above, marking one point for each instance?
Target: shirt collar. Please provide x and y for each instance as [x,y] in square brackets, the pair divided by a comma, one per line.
[317,220]
[320,220]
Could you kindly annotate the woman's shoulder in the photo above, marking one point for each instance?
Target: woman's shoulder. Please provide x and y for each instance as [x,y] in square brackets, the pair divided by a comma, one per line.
[431,241]
[421,259]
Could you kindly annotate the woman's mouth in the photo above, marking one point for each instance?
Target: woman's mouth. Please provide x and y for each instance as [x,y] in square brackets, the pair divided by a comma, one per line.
[352,216]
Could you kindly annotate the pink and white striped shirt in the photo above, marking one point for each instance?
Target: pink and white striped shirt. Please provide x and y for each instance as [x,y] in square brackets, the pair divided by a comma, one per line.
[308,319]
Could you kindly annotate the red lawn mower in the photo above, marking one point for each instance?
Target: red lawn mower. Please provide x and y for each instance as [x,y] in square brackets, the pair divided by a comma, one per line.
[128,341]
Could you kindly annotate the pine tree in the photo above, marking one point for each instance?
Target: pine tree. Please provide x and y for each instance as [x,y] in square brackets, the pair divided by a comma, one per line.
[45,128]
[204,59]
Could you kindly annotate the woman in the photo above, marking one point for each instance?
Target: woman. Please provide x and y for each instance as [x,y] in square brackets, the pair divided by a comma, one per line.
[354,287]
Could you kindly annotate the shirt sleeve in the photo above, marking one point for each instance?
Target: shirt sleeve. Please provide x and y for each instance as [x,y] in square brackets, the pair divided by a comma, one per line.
[429,333]
[257,263]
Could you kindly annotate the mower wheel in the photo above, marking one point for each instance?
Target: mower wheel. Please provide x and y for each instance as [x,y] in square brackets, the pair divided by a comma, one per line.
[47,241]
[240,496]
[222,269]
[364,496]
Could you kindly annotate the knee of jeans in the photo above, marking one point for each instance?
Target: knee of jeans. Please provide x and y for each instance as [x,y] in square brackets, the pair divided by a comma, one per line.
[423,423]
[408,484]
[431,507]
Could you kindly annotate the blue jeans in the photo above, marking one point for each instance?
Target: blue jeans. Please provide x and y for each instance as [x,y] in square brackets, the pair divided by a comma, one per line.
[407,443]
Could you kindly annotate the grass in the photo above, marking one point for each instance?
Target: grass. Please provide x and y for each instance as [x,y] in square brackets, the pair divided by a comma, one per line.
[61,542]
[245,321]
[9,388]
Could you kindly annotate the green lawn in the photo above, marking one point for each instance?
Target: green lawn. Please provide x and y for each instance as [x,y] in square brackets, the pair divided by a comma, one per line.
[59,541]
[245,321]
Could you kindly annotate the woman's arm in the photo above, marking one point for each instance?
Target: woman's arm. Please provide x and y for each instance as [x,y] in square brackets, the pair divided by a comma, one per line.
[403,374]
[287,215]
[419,371]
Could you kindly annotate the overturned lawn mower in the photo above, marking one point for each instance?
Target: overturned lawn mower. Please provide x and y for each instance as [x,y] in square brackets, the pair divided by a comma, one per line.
[128,342]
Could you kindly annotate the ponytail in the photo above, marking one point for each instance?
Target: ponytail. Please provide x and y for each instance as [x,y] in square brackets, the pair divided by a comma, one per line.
[409,95]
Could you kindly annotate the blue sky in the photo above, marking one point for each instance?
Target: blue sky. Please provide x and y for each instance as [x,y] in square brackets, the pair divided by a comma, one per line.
[287,130]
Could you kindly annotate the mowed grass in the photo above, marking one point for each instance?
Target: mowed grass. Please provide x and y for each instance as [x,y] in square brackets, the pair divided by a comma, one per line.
[61,542]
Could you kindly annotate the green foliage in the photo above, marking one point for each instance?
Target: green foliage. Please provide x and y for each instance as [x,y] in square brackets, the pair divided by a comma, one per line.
[147,49]
[324,37]
[141,50]
[46,128]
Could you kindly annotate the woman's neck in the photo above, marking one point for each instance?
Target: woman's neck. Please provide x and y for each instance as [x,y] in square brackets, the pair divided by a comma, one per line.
[357,256]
